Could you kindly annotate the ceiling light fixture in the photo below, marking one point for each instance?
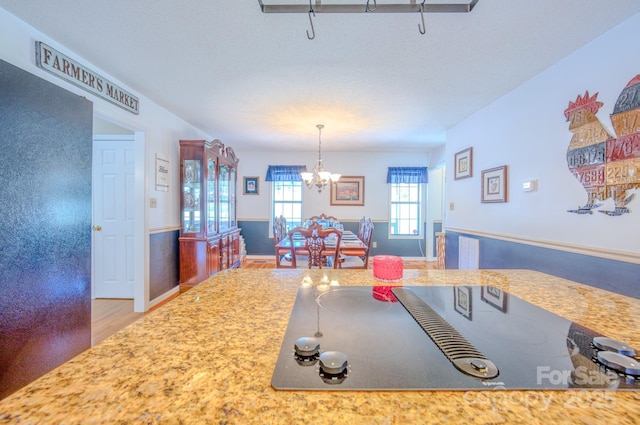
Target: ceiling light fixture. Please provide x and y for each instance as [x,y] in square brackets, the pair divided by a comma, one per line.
[320,178]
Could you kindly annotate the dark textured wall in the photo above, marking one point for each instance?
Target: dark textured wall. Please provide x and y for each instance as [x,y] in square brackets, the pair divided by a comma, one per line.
[45,226]
[164,263]
[615,276]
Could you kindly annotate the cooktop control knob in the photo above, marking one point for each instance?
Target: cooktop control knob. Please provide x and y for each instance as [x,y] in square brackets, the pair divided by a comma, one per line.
[619,362]
[307,347]
[307,350]
[608,344]
[478,364]
[333,363]
[476,367]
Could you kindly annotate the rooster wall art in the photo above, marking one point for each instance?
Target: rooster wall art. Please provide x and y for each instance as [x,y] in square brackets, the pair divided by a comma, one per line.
[606,166]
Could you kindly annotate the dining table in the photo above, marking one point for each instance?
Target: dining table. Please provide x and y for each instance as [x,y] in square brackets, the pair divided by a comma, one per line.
[350,245]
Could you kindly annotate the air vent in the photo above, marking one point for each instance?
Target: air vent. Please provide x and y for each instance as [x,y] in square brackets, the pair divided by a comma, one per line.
[464,356]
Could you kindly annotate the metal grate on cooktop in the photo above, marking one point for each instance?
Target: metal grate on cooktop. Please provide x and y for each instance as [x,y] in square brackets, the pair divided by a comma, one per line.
[460,352]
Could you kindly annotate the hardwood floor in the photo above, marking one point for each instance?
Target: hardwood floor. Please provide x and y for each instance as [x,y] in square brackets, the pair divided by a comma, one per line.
[108,316]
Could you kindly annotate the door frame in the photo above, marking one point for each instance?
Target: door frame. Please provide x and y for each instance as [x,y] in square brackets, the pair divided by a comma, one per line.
[141,236]
[141,288]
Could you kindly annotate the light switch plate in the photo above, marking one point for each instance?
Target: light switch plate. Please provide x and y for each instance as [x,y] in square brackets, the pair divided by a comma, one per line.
[530,186]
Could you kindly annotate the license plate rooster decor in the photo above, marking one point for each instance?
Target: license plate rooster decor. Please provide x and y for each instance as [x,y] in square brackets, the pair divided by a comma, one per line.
[607,166]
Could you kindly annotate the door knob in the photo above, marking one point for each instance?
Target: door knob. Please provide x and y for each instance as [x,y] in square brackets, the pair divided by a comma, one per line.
[96,228]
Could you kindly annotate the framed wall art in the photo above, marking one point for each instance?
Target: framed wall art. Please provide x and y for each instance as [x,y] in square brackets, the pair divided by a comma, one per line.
[462,301]
[463,164]
[349,190]
[494,297]
[251,185]
[494,184]
[162,174]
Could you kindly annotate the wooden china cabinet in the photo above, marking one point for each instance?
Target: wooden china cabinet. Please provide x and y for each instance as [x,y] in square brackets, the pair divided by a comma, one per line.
[209,237]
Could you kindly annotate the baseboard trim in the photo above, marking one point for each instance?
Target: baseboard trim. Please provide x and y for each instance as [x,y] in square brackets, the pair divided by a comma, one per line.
[167,296]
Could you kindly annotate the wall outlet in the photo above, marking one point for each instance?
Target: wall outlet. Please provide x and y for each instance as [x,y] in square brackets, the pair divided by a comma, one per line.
[374,244]
[153,202]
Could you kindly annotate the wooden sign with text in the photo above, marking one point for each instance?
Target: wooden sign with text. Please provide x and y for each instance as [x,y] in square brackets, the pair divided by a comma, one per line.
[66,68]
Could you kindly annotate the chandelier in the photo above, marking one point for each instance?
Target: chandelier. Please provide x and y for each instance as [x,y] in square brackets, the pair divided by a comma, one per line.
[320,178]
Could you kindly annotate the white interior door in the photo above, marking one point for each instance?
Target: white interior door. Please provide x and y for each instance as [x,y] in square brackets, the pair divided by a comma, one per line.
[113,217]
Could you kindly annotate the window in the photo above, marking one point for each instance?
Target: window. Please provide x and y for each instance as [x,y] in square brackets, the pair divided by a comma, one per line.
[405,200]
[405,210]
[287,201]
[286,193]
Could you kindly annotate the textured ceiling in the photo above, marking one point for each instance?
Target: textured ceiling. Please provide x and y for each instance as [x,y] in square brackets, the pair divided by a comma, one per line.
[255,81]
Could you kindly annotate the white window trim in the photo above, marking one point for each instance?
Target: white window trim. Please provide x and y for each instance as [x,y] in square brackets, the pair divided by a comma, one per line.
[421,213]
[271,212]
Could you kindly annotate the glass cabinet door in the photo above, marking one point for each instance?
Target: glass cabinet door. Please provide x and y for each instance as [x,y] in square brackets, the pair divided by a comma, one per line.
[224,197]
[232,198]
[211,195]
[191,196]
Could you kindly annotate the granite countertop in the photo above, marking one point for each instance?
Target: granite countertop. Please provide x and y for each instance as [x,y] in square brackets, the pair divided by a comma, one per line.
[208,357]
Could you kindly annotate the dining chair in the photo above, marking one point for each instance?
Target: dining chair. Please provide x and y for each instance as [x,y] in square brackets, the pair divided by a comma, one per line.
[323,218]
[359,262]
[321,246]
[283,255]
[361,226]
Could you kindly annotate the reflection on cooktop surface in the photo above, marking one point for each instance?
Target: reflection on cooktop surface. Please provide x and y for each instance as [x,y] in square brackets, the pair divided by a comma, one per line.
[438,337]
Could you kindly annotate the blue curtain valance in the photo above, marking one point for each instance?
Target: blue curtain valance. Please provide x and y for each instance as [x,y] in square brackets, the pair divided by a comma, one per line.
[407,175]
[288,173]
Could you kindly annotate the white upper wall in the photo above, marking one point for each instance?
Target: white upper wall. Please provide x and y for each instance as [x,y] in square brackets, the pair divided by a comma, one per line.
[162,129]
[527,130]
[372,165]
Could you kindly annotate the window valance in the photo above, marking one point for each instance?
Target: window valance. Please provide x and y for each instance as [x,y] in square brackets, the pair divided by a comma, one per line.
[407,175]
[289,173]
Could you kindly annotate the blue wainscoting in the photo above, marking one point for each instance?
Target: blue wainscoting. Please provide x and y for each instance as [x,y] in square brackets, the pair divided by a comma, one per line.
[258,242]
[612,275]
[256,237]
[164,262]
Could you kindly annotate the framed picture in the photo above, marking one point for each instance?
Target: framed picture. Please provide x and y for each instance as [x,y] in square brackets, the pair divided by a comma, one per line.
[251,185]
[494,184]
[462,300]
[162,174]
[495,297]
[349,190]
[463,164]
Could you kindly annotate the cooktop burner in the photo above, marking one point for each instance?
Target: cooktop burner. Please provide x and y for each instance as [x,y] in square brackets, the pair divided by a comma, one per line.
[442,337]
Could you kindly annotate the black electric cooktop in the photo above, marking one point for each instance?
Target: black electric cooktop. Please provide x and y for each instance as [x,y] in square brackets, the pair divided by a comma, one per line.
[442,337]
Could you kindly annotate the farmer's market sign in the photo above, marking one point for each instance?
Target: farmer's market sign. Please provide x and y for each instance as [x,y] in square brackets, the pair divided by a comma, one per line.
[66,68]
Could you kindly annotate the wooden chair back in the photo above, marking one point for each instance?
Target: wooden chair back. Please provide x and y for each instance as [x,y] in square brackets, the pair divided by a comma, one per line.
[279,229]
[367,237]
[280,233]
[361,227]
[331,220]
[365,234]
[316,248]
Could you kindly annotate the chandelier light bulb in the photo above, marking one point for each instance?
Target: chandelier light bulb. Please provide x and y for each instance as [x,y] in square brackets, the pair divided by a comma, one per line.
[319,178]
